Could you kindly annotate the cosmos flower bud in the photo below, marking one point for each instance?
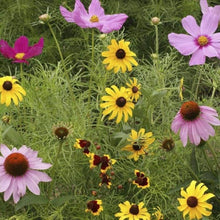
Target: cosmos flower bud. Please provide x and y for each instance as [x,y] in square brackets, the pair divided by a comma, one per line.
[155,20]
[44,18]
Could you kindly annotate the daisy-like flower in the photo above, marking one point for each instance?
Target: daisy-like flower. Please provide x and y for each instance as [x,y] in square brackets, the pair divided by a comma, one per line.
[21,50]
[18,171]
[139,143]
[132,211]
[105,162]
[194,202]
[94,206]
[118,103]
[141,181]
[119,56]
[195,122]
[94,18]
[9,89]
[202,41]
[213,10]
[83,144]
[134,89]
[105,180]
[158,215]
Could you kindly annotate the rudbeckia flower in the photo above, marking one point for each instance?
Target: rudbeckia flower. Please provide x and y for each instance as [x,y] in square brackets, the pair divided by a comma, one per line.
[118,103]
[134,89]
[158,215]
[132,211]
[141,181]
[18,170]
[195,122]
[119,56]
[94,18]
[10,90]
[213,10]
[94,206]
[194,202]
[21,50]
[139,143]
[202,41]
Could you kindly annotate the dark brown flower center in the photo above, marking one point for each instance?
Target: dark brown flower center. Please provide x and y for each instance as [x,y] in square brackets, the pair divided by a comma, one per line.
[16,164]
[120,54]
[192,201]
[190,110]
[134,89]
[61,132]
[120,102]
[7,85]
[134,210]
[136,146]
[168,144]
[93,206]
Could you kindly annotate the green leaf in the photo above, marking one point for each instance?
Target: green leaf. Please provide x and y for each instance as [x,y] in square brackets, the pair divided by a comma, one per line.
[31,200]
[61,200]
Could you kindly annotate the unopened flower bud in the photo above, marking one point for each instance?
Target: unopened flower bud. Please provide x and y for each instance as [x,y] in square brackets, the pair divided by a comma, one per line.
[120,186]
[102,36]
[44,18]
[154,56]
[155,20]
[94,193]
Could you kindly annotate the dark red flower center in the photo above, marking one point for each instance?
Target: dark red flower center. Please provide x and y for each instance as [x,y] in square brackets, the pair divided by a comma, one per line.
[192,201]
[7,85]
[105,178]
[190,110]
[61,132]
[136,146]
[134,89]
[93,206]
[134,210]
[16,164]
[120,54]
[84,143]
[120,102]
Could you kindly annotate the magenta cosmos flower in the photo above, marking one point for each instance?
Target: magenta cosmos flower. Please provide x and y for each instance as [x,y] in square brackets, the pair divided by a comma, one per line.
[195,122]
[206,9]
[94,18]
[21,50]
[201,42]
[18,170]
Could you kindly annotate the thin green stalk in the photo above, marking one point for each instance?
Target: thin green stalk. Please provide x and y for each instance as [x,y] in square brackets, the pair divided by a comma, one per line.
[207,160]
[157,40]
[197,87]
[214,155]
[62,60]
[21,72]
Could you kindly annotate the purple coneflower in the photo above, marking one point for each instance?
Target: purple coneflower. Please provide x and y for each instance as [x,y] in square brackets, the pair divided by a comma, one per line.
[195,122]
[94,18]
[18,171]
[201,43]
[21,50]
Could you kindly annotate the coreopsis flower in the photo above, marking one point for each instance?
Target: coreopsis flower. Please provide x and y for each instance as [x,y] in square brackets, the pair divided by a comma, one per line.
[202,41]
[10,90]
[105,161]
[118,103]
[213,10]
[21,50]
[94,18]
[132,211]
[195,122]
[18,170]
[105,180]
[119,56]
[139,143]
[141,181]
[83,144]
[134,89]
[194,202]
[158,215]
[94,206]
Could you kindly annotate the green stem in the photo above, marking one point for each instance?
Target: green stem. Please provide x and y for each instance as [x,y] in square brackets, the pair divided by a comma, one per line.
[208,163]
[21,71]
[157,40]
[197,87]
[214,155]
[62,60]
[54,168]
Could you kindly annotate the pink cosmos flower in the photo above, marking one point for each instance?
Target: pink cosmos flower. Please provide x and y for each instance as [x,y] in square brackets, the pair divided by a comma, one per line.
[213,10]
[18,170]
[21,50]
[94,18]
[195,122]
[201,42]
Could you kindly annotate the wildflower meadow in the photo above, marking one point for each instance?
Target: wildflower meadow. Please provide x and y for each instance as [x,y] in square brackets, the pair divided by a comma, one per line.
[110,110]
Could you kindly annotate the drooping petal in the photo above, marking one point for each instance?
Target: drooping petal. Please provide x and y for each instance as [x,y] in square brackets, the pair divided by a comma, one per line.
[190,25]
[6,50]
[183,43]
[21,45]
[32,185]
[43,177]
[184,134]
[209,24]
[67,14]
[35,50]
[4,150]
[39,166]
[96,9]
[5,182]
[197,58]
